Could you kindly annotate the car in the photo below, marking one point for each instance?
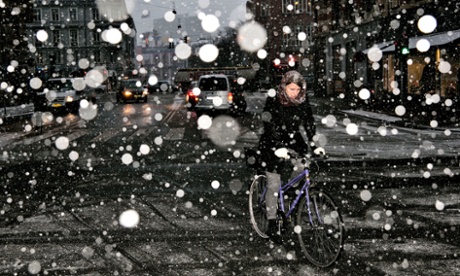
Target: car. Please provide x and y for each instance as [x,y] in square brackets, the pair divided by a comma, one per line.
[217,93]
[63,95]
[132,90]
[161,86]
[191,96]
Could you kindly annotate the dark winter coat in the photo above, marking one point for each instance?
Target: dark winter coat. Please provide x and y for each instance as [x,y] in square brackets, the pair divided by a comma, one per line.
[281,129]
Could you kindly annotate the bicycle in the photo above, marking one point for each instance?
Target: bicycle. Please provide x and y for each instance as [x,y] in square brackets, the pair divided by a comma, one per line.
[318,222]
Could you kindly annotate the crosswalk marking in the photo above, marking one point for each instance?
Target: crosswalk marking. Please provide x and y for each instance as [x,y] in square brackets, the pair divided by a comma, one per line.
[8,137]
[247,136]
[105,136]
[31,140]
[75,135]
[174,108]
[175,134]
[141,132]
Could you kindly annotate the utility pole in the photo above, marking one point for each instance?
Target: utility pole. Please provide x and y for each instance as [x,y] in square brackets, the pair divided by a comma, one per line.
[401,42]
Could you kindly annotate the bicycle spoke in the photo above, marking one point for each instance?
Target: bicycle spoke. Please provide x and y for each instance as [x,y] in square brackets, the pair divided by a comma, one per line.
[257,209]
[320,238]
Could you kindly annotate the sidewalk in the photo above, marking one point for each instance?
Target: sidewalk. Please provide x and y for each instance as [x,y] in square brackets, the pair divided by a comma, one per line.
[377,150]
[379,115]
[10,112]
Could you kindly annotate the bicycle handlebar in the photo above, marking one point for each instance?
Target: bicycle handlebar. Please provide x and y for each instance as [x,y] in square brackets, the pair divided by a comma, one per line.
[289,153]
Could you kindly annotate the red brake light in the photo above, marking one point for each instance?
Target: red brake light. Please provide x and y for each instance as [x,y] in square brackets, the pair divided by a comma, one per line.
[230,97]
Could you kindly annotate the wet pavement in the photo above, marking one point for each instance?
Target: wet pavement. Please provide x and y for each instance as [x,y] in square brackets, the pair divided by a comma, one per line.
[398,231]
[402,218]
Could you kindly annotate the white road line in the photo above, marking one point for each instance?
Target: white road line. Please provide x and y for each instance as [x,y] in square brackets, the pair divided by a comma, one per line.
[105,136]
[174,108]
[8,138]
[75,135]
[175,134]
[141,132]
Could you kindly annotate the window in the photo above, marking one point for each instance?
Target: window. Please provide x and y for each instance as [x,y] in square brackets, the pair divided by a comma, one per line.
[296,6]
[95,12]
[56,37]
[264,9]
[96,37]
[292,39]
[55,58]
[308,6]
[54,14]
[73,15]
[286,39]
[299,6]
[112,56]
[213,84]
[37,14]
[394,3]
[58,58]
[97,56]
[73,37]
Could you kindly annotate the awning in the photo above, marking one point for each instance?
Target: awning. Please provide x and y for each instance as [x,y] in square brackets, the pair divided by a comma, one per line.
[381,46]
[434,39]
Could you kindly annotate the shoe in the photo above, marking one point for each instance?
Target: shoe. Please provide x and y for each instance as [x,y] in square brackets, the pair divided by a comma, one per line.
[273,233]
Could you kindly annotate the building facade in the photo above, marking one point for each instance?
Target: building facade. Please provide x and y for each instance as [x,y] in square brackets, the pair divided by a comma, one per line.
[290,32]
[343,33]
[16,61]
[70,36]
[157,47]
[422,80]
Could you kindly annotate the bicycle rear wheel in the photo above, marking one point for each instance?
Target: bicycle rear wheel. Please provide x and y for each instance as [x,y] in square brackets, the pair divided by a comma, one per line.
[257,208]
[321,238]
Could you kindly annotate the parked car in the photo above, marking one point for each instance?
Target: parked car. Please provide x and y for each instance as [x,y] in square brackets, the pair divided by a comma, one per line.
[191,96]
[132,90]
[217,94]
[161,86]
[63,95]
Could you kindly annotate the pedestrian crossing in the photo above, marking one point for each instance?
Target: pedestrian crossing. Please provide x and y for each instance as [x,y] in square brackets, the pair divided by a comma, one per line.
[336,136]
[246,138]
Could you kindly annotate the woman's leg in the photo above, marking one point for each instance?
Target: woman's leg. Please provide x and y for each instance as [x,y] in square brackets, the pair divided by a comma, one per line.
[271,199]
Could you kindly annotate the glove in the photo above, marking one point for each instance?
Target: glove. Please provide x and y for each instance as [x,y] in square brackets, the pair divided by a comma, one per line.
[282,153]
[317,151]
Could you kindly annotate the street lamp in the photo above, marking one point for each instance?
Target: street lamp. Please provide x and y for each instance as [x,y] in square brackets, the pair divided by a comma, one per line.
[174,8]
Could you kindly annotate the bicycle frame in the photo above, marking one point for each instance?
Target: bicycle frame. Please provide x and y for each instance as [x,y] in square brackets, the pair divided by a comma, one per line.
[320,237]
[304,189]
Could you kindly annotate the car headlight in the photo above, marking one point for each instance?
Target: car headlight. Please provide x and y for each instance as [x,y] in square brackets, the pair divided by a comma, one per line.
[145,92]
[69,99]
[127,93]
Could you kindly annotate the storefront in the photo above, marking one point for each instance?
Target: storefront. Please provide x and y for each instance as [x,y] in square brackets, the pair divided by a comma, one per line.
[432,65]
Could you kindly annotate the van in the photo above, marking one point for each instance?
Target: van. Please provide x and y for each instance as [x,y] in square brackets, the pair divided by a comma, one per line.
[217,94]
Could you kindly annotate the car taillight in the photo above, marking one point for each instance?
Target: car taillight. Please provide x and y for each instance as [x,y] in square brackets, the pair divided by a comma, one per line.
[230,97]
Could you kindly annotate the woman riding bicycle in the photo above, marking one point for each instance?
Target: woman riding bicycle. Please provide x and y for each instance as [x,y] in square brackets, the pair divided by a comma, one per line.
[283,114]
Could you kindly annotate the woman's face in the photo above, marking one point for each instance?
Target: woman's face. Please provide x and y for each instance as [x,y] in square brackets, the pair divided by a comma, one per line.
[292,90]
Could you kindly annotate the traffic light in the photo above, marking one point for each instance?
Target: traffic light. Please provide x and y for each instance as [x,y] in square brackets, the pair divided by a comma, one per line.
[402,46]
[405,51]
[186,39]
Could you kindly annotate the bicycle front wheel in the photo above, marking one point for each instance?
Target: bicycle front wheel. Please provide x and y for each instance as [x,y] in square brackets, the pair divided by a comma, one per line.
[320,229]
[257,208]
